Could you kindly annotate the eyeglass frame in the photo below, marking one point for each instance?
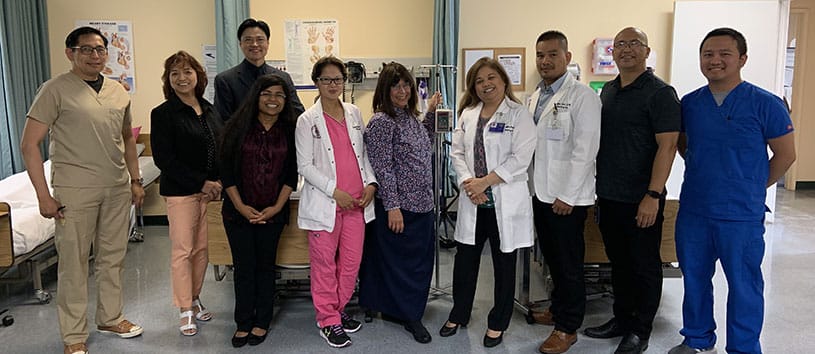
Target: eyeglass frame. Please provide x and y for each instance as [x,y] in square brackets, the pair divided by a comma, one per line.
[327,81]
[630,44]
[252,40]
[88,50]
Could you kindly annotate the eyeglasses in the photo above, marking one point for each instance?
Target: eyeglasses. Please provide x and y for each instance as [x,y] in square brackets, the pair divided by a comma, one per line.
[402,87]
[331,80]
[276,95]
[633,44]
[252,40]
[88,50]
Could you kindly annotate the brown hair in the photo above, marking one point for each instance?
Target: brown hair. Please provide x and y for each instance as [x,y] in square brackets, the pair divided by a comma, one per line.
[390,76]
[471,98]
[180,58]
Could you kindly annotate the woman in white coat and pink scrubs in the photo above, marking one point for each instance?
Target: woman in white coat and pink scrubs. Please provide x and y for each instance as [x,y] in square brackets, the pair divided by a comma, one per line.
[493,144]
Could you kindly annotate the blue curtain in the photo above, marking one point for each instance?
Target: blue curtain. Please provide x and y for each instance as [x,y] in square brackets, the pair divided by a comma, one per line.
[228,16]
[24,32]
[445,46]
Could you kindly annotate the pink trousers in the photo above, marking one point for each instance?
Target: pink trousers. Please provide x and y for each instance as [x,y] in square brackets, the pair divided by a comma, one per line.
[335,258]
[188,237]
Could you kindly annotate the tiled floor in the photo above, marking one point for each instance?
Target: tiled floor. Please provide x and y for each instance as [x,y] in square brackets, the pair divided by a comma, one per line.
[789,274]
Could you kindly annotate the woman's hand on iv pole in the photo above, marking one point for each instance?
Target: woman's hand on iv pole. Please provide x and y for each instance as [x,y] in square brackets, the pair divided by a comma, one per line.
[433,102]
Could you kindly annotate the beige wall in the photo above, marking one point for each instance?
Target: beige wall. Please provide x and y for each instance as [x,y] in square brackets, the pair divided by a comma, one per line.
[159,29]
[368,29]
[518,23]
[802,23]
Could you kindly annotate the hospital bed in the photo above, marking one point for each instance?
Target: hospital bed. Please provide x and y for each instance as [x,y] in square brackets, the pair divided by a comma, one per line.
[27,238]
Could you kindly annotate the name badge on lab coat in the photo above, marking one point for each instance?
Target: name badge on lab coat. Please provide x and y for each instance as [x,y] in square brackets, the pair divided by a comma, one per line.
[554,133]
[497,127]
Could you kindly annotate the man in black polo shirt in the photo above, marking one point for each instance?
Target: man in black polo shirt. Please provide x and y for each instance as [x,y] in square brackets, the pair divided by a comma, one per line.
[639,130]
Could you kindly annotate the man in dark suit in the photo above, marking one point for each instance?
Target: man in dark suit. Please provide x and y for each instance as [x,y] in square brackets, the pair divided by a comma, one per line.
[231,86]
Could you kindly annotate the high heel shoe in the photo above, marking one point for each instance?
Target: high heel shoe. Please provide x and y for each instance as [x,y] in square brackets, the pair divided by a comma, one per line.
[490,342]
[446,331]
[201,313]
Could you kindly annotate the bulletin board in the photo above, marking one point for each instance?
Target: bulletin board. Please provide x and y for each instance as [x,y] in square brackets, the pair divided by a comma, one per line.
[513,60]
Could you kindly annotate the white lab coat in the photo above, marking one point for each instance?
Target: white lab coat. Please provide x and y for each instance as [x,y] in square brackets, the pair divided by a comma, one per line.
[315,162]
[565,169]
[508,154]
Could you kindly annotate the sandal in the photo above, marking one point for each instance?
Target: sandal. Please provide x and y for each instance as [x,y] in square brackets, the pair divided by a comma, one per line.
[191,328]
[201,313]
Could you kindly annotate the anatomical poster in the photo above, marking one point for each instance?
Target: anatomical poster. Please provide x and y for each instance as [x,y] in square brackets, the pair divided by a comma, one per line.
[306,42]
[120,50]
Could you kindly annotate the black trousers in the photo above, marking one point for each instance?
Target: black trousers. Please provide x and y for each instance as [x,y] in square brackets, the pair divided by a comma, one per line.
[560,238]
[636,266]
[465,274]
[254,249]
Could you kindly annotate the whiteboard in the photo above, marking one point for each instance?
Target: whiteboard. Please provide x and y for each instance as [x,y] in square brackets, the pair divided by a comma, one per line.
[764,24]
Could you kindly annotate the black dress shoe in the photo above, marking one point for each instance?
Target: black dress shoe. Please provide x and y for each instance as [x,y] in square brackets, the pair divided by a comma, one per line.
[238,342]
[609,329]
[490,342]
[253,339]
[420,333]
[447,331]
[632,344]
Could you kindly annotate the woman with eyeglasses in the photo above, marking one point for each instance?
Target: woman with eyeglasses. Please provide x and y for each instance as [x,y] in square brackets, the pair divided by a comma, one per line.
[259,173]
[185,129]
[397,263]
[336,199]
[493,143]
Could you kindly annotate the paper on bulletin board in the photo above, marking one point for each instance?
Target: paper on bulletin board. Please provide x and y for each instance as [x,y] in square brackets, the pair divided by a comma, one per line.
[306,42]
[210,54]
[471,56]
[120,65]
[512,65]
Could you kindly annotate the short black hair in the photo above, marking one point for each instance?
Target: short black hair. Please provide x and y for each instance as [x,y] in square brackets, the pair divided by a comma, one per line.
[73,38]
[250,23]
[326,61]
[741,42]
[550,35]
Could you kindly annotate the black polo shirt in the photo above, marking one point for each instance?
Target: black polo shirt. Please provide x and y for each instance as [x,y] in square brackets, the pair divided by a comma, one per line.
[631,116]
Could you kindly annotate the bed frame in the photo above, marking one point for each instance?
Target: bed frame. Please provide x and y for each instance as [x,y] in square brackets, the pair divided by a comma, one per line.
[29,266]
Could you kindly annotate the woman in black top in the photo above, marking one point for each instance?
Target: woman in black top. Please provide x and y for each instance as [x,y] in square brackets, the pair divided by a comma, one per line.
[184,133]
[259,172]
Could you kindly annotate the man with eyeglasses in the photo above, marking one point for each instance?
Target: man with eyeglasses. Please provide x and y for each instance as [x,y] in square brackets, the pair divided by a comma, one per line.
[567,115]
[232,86]
[640,124]
[95,177]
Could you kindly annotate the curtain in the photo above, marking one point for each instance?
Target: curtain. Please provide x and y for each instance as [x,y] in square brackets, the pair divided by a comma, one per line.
[445,47]
[228,16]
[24,32]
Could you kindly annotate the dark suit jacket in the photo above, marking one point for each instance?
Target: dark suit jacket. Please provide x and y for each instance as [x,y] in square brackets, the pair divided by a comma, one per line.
[232,86]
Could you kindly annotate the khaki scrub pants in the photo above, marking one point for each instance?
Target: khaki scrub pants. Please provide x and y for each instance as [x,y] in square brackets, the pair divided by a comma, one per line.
[98,217]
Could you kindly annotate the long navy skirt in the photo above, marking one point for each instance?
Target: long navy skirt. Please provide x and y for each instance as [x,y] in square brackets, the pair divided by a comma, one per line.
[396,269]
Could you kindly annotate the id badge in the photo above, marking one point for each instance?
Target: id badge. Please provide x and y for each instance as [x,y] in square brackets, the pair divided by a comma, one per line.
[555,134]
[497,127]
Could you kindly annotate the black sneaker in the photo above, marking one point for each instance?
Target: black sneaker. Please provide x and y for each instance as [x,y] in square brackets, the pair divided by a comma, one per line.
[335,336]
[349,324]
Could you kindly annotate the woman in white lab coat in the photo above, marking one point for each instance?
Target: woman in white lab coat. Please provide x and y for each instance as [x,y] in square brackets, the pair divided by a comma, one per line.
[493,144]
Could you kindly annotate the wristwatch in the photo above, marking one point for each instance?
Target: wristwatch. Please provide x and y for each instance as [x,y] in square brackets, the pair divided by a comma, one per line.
[139,180]
[653,194]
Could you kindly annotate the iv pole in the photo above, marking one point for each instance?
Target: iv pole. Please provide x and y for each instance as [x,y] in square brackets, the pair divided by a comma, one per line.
[439,170]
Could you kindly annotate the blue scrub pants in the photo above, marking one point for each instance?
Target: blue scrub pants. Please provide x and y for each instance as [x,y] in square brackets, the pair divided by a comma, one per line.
[739,246]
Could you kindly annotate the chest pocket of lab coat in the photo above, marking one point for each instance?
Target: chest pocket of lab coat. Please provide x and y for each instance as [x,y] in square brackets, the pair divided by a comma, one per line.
[497,144]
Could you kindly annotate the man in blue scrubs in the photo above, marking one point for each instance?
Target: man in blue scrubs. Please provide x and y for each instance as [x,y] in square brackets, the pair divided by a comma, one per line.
[726,128]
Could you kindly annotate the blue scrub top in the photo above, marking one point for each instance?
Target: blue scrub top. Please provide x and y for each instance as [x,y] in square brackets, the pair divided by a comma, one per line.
[726,162]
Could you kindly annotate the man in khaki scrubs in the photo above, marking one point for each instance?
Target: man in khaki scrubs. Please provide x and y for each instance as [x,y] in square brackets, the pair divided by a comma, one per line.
[95,176]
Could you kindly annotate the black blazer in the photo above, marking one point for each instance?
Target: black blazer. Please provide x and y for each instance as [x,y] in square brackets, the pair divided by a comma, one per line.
[179,144]
[232,86]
